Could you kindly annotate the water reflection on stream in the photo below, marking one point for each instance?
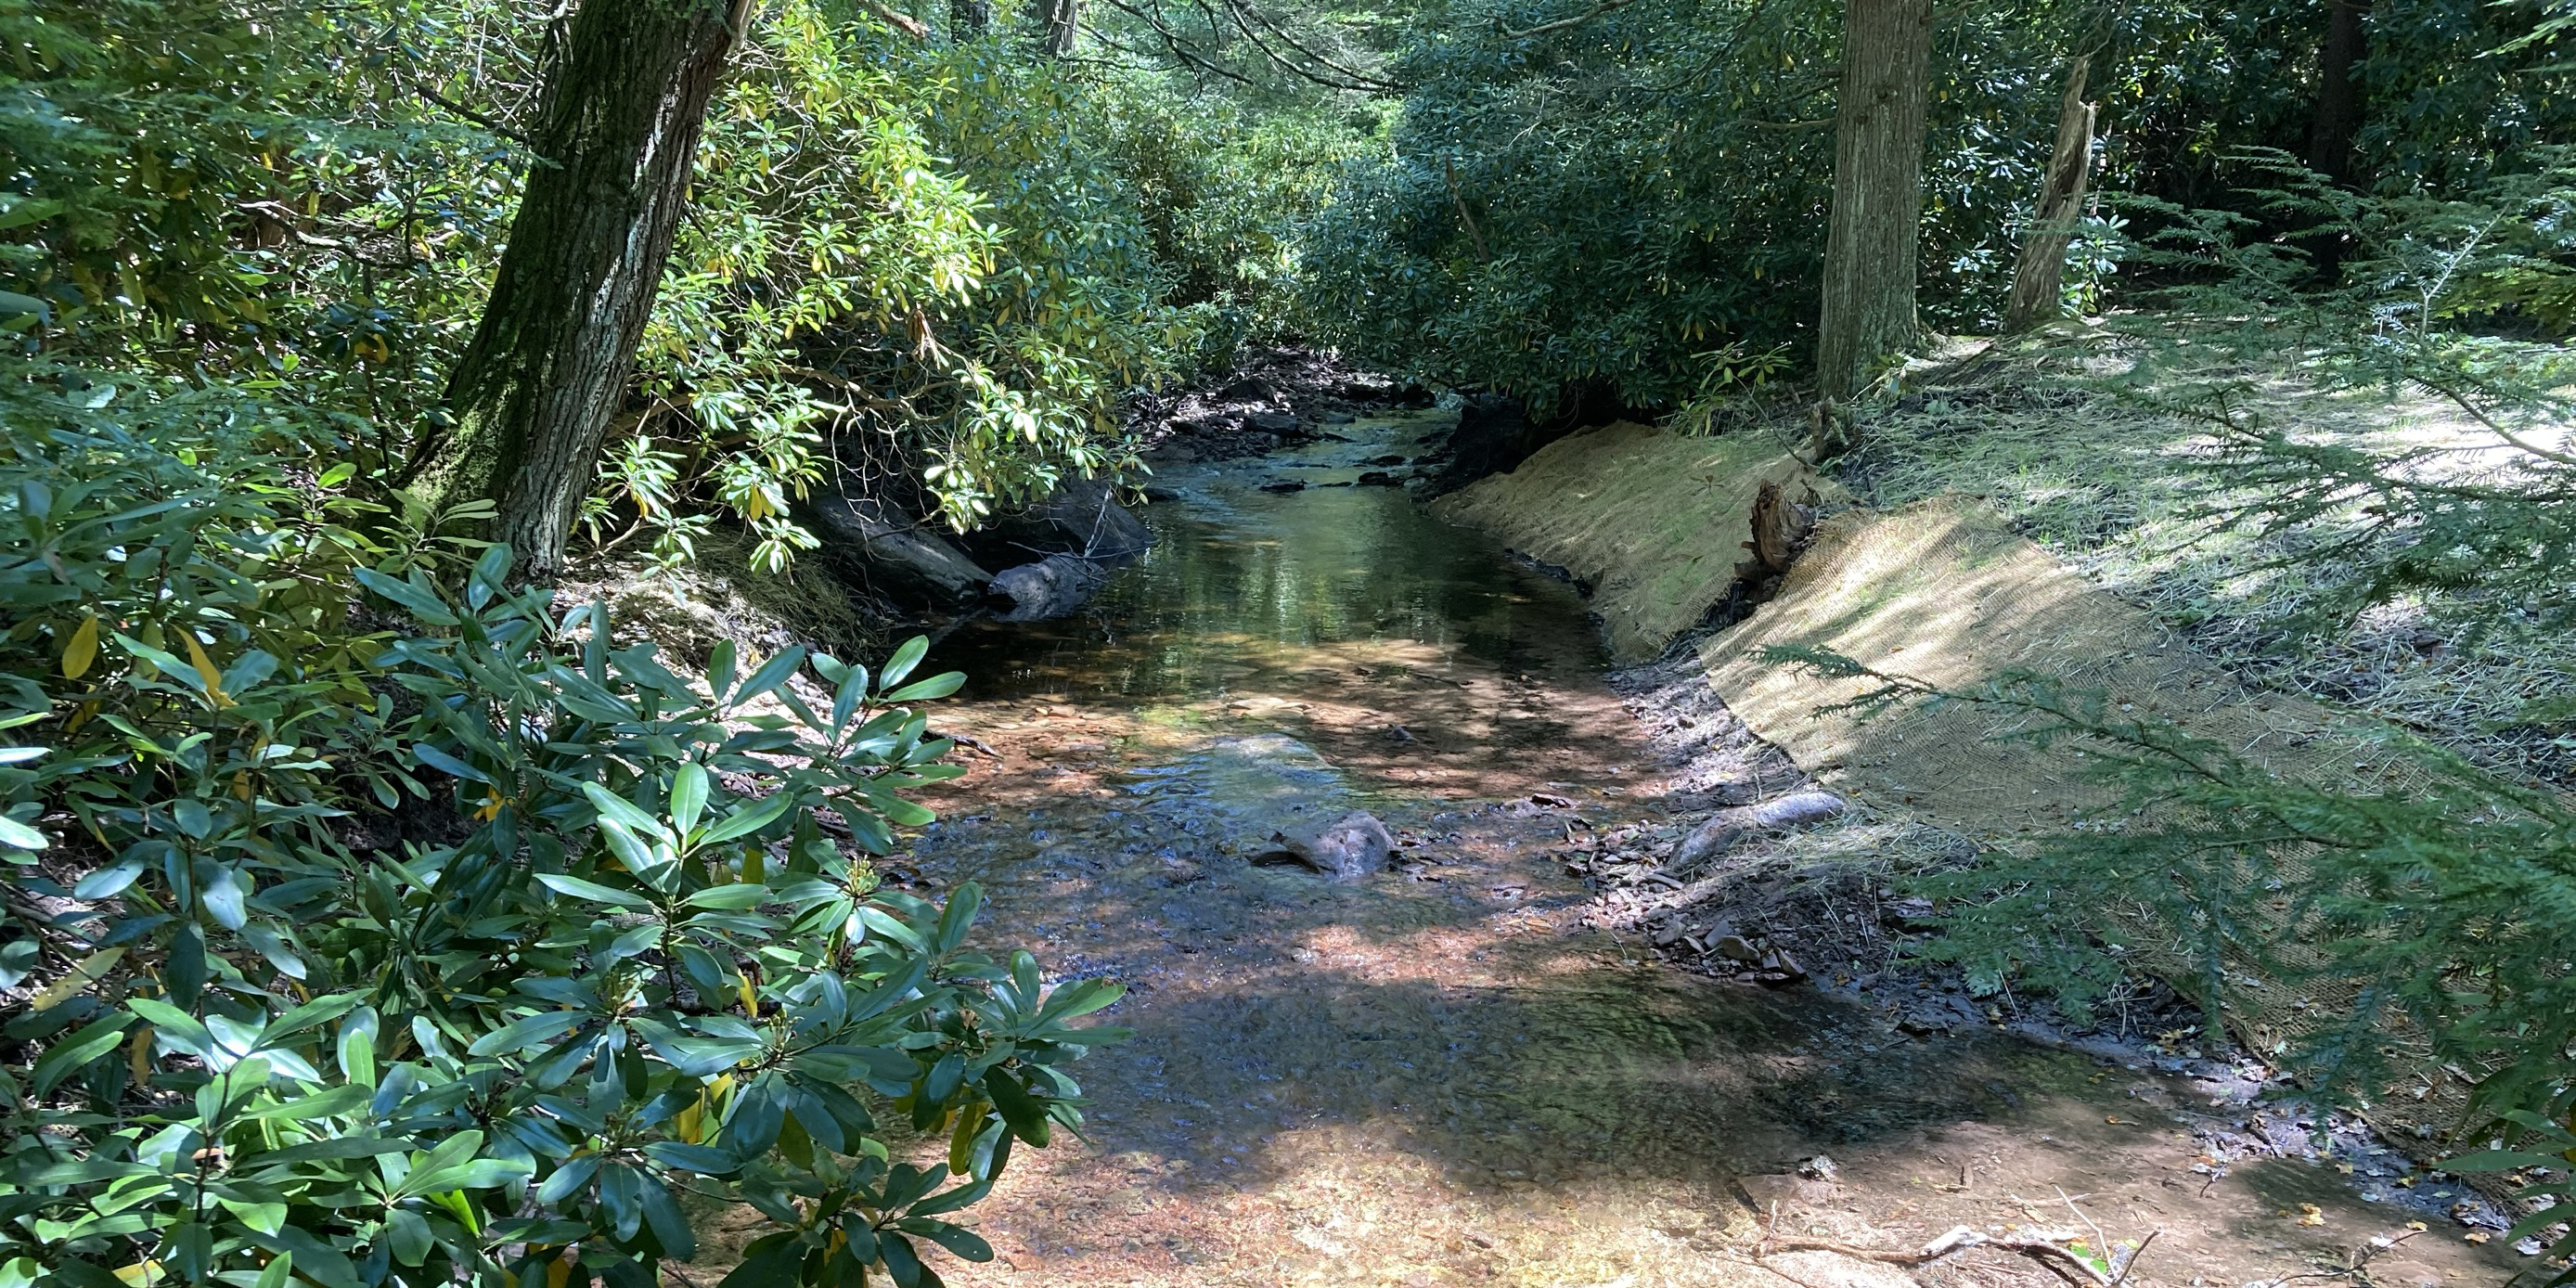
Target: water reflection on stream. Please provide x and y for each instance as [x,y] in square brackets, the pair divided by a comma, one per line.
[1435,1075]
[1243,586]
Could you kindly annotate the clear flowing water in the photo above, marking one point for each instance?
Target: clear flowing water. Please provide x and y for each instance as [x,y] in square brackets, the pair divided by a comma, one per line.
[1439,1074]
[1244,586]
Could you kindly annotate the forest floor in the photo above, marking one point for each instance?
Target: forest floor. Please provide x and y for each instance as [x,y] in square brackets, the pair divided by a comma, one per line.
[1480,1067]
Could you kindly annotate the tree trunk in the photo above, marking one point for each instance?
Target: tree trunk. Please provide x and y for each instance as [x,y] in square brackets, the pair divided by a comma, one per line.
[970,19]
[1059,25]
[548,367]
[1870,244]
[2038,281]
[2338,118]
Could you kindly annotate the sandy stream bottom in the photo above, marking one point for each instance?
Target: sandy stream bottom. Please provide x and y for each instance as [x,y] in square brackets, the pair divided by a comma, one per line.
[1435,1076]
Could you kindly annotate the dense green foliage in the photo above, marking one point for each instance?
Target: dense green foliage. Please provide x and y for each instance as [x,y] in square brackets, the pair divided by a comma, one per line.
[1611,204]
[374,920]
[949,260]
[385,955]
[1635,202]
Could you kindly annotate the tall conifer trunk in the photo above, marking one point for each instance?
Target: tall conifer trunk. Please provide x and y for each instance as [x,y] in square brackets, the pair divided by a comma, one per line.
[2338,109]
[1870,244]
[548,367]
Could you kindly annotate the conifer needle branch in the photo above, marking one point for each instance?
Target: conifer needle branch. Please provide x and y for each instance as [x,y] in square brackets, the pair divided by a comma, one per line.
[2462,401]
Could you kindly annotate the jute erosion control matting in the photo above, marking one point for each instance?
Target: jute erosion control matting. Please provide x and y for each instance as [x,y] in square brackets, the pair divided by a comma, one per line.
[1652,521]
[1941,592]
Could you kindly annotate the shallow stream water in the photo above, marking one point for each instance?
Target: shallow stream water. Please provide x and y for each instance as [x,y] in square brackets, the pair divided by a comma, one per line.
[1437,1075]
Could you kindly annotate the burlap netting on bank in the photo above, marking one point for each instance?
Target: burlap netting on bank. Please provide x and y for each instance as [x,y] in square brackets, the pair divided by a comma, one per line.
[1652,521]
[1940,591]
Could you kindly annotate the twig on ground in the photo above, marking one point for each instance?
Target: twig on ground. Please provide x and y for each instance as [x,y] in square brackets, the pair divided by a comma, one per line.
[967,740]
[2049,1248]
[2353,1265]
[2134,1254]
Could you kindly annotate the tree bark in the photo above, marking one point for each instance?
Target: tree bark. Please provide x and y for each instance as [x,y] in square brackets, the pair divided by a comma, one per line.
[1871,241]
[970,19]
[2338,115]
[1059,25]
[548,366]
[2038,280]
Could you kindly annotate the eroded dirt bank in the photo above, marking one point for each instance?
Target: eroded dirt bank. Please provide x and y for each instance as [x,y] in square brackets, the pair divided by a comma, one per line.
[1449,1072]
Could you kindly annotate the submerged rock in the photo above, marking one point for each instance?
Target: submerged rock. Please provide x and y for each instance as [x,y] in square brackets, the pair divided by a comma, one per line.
[1346,849]
[1728,827]
[1052,587]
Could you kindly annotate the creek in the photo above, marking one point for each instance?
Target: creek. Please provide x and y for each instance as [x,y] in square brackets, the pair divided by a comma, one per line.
[1443,1074]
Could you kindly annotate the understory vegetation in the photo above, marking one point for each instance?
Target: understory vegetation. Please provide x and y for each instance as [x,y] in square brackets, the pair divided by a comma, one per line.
[380,912]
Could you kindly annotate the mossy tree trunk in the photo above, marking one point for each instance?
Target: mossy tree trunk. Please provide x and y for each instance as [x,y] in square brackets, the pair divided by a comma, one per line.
[548,367]
[1871,240]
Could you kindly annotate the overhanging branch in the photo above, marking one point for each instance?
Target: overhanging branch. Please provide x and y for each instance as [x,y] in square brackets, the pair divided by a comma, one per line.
[1561,24]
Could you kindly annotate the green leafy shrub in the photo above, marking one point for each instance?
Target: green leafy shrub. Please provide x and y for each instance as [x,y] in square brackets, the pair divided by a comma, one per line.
[940,259]
[373,955]
[953,260]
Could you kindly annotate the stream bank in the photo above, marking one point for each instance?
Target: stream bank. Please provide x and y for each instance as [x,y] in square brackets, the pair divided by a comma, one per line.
[1456,1071]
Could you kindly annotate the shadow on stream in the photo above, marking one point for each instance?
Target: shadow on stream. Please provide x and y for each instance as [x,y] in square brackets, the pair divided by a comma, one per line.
[1433,1076]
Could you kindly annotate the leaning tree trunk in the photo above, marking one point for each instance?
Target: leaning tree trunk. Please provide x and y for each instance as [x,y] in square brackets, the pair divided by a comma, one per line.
[2038,281]
[1059,25]
[1870,244]
[548,367]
